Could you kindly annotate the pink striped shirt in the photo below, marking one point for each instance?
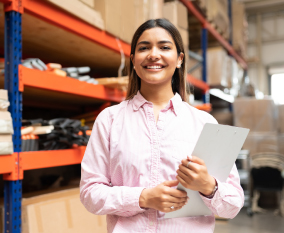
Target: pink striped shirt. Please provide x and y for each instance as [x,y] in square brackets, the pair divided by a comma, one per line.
[128,151]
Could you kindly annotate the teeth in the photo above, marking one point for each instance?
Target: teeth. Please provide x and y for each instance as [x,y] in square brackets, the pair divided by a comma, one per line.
[154,67]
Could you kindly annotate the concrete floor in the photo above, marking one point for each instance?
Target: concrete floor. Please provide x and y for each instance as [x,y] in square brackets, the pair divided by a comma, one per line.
[258,223]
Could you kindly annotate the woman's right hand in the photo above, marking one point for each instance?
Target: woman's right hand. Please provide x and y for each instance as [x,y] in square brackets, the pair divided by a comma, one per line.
[163,197]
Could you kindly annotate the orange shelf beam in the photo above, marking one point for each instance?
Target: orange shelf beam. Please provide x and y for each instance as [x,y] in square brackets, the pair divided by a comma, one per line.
[197,83]
[53,15]
[204,107]
[191,8]
[50,81]
[8,163]
[52,158]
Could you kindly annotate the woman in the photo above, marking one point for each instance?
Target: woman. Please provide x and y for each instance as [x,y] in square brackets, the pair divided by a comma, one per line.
[138,150]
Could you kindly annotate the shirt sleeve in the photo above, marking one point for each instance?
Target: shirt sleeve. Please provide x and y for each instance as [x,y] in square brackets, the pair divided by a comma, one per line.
[229,198]
[96,192]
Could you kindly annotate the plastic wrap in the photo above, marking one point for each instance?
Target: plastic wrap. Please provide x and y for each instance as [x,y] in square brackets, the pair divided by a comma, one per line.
[257,115]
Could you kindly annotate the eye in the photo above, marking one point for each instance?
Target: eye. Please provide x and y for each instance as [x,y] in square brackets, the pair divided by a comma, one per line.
[166,48]
[142,48]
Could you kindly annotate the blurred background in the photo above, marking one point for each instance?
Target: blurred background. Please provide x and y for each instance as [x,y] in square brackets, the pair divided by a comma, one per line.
[63,61]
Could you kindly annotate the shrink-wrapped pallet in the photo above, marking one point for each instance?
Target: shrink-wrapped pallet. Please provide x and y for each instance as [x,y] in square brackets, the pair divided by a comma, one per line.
[259,115]
[262,142]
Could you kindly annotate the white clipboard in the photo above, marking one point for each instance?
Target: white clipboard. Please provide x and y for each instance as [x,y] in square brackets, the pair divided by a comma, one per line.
[218,146]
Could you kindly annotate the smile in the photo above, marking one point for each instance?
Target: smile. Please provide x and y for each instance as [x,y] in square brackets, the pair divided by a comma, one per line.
[153,67]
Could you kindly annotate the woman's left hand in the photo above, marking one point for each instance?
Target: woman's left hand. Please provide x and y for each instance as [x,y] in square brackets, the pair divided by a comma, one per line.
[195,176]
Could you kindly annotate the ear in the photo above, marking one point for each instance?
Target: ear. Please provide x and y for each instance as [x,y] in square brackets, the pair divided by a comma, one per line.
[180,59]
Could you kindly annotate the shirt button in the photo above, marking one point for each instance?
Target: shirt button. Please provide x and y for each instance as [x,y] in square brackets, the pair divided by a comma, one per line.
[151,223]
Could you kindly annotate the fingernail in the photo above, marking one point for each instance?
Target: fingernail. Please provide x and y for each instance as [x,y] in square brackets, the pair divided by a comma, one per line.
[189,157]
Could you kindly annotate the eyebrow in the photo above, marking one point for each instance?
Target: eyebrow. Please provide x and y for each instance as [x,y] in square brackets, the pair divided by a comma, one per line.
[160,42]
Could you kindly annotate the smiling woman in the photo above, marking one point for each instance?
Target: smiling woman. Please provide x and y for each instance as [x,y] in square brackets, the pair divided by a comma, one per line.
[157,55]
[140,149]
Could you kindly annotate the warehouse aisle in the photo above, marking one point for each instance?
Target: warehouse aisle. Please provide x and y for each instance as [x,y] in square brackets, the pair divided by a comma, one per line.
[259,223]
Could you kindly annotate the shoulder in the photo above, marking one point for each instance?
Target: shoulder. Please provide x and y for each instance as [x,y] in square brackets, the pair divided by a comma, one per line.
[110,113]
[199,115]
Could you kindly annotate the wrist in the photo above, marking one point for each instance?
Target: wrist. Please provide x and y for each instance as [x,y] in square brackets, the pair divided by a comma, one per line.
[210,188]
[143,199]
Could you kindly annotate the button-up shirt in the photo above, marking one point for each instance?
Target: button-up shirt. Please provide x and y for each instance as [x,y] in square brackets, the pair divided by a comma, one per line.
[129,151]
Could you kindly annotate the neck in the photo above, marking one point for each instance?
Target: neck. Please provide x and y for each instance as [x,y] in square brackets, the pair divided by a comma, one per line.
[159,95]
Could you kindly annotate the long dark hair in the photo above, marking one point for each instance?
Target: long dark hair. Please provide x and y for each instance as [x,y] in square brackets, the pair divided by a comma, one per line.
[179,77]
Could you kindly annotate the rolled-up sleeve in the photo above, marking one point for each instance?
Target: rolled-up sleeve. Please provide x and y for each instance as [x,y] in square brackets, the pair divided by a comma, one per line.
[96,192]
[229,198]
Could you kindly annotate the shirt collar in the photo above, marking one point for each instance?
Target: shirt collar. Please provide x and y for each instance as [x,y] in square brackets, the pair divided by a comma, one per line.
[174,103]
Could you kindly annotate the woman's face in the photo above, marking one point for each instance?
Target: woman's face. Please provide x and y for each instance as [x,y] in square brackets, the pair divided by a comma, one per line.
[156,58]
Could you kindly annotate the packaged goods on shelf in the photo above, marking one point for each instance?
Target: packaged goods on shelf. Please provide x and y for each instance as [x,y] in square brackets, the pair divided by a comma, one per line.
[4,102]
[217,14]
[82,11]
[259,115]
[71,216]
[239,28]
[55,134]
[281,118]
[217,67]
[90,3]
[120,83]
[6,123]
[262,142]
[176,13]
[6,144]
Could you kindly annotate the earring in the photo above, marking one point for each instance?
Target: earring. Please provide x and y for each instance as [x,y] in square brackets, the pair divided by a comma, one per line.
[178,66]
[134,67]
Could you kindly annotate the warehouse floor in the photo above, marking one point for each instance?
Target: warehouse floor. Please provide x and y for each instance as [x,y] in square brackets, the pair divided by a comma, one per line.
[258,223]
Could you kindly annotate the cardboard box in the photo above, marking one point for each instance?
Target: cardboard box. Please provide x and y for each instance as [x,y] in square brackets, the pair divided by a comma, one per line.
[217,13]
[257,115]
[82,11]
[239,28]
[217,67]
[176,13]
[59,212]
[261,142]
[6,144]
[90,3]
[223,117]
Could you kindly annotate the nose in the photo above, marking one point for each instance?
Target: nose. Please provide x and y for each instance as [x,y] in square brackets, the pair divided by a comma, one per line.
[154,54]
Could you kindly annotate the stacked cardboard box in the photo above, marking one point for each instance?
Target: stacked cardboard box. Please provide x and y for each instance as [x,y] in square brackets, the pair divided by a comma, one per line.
[239,28]
[59,212]
[260,116]
[218,68]
[6,125]
[176,13]
[217,14]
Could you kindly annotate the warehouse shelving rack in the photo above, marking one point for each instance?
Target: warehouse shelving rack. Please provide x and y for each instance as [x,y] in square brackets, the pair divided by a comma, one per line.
[18,78]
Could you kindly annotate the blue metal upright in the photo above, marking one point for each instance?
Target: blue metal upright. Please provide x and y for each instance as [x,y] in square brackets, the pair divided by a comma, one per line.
[204,42]
[13,56]
[230,22]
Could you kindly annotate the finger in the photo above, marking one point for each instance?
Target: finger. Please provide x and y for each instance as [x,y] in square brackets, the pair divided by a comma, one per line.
[176,193]
[170,183]
[197,160]
[192,166]
[189,157]
[184,184]
[173,199]
[187,178]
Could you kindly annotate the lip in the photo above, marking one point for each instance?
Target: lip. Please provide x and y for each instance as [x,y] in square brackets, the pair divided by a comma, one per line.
[153,69]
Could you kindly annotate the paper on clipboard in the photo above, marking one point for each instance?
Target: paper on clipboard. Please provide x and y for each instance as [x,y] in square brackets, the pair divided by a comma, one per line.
[218,146]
